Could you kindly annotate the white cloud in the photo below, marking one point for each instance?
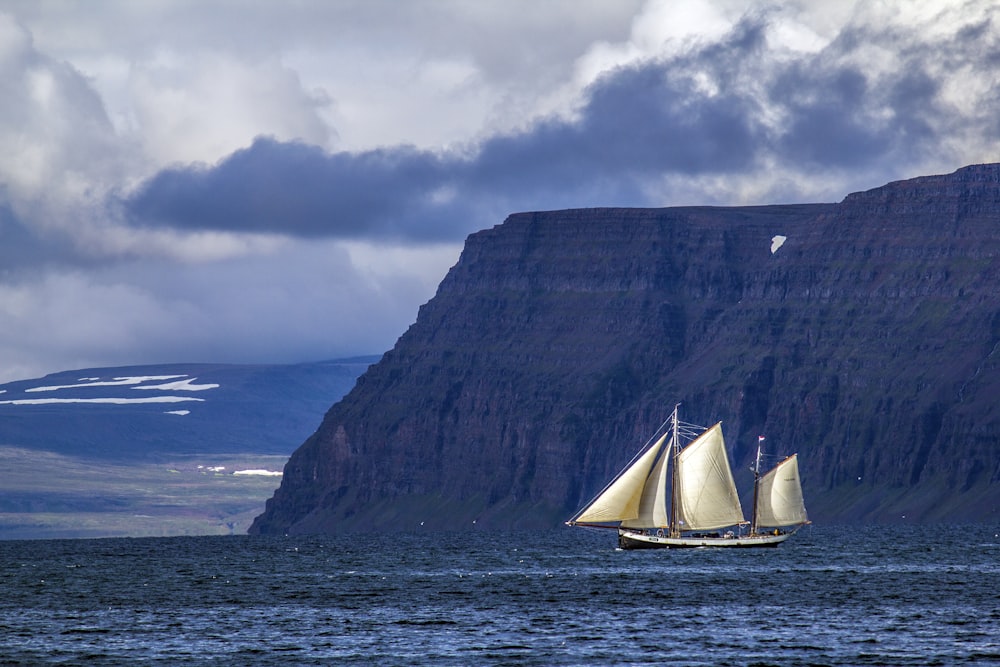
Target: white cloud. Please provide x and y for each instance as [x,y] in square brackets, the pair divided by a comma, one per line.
[199,108]
[57,143]
[375,73]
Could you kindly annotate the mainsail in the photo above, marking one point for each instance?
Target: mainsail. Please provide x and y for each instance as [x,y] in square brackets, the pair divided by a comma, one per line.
[779,496]
[706,496]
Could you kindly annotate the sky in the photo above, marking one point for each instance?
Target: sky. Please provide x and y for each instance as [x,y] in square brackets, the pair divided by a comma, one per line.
[276,182]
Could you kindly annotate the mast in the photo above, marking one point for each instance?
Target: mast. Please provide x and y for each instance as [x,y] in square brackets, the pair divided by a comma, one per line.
[756,487]
[673,531]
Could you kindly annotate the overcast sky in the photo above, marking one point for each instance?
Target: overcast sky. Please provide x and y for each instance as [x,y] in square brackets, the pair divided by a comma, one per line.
[289,181]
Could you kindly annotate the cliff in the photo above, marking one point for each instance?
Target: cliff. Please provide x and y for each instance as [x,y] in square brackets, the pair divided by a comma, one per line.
[867,342]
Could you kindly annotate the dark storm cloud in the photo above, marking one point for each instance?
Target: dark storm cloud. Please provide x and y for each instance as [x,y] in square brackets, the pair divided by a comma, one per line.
[707,111]
[827,124]
[840,115]
[637,123]
[296,189]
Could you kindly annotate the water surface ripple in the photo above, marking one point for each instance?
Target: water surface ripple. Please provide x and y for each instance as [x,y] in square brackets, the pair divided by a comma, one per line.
[829,596]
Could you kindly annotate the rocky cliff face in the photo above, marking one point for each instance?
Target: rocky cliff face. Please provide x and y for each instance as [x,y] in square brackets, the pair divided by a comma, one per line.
[868,342]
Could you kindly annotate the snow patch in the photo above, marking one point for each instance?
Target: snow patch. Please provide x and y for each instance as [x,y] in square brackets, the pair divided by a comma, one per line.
[265,473]
[113,401]
[777,242]
[179,385]
[116,382]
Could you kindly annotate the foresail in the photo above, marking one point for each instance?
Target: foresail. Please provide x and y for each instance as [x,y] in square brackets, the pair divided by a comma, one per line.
[621,499]
[706,494]
[779,496]
[653,502]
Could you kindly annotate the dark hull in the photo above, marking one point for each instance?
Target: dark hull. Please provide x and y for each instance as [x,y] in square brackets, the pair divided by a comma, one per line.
[630,540]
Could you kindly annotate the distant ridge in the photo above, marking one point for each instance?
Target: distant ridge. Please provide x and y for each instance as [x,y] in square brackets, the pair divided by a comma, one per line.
[151,411]
[867,340]
[156,450]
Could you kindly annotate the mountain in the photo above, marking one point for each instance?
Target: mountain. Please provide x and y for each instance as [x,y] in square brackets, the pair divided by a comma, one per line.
[863,335]
[155,411]
[171,449]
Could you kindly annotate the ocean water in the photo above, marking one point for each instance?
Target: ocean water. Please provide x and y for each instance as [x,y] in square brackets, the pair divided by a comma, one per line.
[828,596]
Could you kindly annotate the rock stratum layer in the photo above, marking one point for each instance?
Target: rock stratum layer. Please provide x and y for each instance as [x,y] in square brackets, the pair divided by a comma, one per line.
[867,342]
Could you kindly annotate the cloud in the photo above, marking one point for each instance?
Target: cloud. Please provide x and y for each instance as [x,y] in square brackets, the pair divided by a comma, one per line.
[20,247]
[741,103]
[194,107]
[740,106]
[53,129]
[231,182]
[637,123]
[384,72]
[840,113]
[307,300]
[300,190]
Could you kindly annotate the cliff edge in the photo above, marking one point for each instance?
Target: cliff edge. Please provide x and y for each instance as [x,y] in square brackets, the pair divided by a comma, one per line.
[863,335]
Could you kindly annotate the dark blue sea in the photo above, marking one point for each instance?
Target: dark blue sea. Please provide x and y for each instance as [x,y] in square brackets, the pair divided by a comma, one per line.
[828,596]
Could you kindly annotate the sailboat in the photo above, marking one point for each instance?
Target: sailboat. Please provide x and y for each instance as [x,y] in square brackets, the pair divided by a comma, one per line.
[700,506]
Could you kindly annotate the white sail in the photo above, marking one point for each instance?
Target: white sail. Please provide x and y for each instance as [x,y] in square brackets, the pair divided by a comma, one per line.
[706,495]
[621,499]
[653,502]
[779,496]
